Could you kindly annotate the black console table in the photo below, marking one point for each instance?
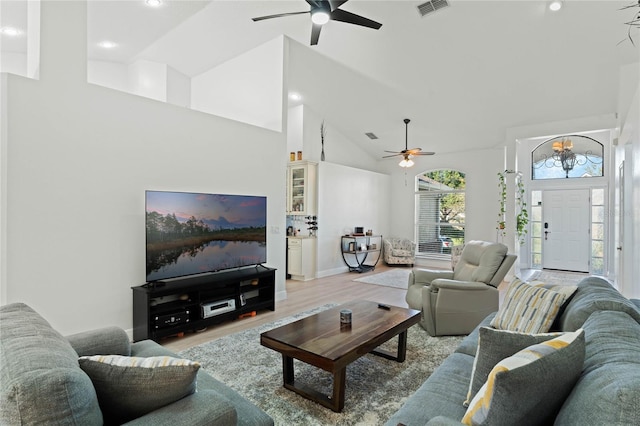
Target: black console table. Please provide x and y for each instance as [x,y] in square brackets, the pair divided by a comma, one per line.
[193,303]
[361,253]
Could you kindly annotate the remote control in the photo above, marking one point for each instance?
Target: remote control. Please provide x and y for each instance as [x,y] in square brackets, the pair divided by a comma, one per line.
[386,307]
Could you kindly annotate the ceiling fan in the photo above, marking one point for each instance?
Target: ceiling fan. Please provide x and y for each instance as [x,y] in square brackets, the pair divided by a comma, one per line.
[323,11]
[407,153]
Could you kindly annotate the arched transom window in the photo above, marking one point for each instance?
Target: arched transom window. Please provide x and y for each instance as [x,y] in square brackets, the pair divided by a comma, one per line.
[569,156]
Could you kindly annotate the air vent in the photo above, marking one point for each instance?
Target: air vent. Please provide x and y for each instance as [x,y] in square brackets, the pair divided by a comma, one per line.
[432,6]
[371,135]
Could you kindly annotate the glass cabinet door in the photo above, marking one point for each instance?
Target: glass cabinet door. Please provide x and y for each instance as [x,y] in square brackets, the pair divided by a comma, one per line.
[301,192]
[297,182]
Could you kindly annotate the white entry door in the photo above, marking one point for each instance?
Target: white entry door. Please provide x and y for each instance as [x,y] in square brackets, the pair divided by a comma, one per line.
[565,232]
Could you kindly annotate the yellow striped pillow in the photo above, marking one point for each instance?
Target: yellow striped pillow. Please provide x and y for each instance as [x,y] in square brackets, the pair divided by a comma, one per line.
[532,383]
[528,309]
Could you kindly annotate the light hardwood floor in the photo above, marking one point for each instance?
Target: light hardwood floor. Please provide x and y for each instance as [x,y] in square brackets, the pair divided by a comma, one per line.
[301,296]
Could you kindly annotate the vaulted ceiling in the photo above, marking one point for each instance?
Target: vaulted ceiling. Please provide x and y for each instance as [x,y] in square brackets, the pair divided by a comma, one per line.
[463,74]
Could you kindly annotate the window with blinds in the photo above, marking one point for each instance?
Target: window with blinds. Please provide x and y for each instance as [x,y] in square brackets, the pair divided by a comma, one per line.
[440,212]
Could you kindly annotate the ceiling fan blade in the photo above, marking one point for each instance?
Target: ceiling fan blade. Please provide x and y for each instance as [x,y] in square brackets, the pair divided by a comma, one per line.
[413,151]
[425,153]
[336,3]
[315,34]
[279,15]
[394,155]
[352,18]
[315,3]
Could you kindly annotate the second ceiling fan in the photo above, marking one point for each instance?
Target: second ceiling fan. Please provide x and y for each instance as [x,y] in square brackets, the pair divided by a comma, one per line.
[323,11]
[407,153]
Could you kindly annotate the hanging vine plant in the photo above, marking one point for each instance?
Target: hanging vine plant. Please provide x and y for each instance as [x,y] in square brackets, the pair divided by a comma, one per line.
[522,218]
[502,193]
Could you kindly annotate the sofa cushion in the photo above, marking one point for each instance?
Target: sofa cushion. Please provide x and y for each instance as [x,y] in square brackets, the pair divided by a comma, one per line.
[129,387]
[529,387]
[595,294]
[247,412]
[106,340]
[528,309]
[479,262]
[494,346]
[41,380]
[469,344]
[439,395]
[608,391]
[401,253]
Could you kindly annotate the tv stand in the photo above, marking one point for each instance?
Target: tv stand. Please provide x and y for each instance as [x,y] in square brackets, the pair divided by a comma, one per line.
[162,309]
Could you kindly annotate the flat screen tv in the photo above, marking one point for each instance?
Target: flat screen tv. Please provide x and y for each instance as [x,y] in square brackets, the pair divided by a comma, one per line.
[192,233]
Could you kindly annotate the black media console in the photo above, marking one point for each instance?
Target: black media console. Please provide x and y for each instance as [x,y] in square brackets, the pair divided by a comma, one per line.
[196,302]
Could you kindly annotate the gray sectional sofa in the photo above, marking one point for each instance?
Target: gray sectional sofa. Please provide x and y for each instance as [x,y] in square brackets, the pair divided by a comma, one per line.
[607,391]
[41,381]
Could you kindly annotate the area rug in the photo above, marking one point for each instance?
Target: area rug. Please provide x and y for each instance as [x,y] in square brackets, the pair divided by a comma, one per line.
[376,387]
[558,277]
[396,278]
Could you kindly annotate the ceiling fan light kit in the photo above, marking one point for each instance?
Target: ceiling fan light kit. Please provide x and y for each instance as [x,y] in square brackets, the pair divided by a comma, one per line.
[319,17]
[323,11]
[406,162]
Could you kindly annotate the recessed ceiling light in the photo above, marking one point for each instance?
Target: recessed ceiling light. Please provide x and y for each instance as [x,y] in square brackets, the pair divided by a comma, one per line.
[555,5]
[153,3]
[10,31]
[107,44]
[295,96]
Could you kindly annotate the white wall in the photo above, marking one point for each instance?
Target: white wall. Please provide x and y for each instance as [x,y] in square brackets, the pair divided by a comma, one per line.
[348,197]
[338,148]
[630,139]
[108,74]
[144,78]
[295,131]
[480,167]
[14,63]
[178,88]
[247,88]
[148,79]
[77,158]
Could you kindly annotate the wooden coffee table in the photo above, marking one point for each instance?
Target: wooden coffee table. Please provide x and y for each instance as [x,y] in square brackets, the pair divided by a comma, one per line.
[320,340]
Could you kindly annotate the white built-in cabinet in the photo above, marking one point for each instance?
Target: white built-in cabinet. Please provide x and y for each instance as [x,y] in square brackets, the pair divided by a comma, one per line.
[301,188]
[302,258]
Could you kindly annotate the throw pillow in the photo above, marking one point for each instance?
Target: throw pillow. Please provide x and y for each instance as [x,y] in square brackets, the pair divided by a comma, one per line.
[530,387]
[528,309]
[494,346]
[567,290]
[130,387]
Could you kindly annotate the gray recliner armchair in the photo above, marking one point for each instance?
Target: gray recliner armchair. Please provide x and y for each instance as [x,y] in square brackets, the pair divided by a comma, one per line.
[455,302]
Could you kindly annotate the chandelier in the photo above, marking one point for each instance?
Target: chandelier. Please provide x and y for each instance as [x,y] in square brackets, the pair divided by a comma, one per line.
[568,152]
[562,153]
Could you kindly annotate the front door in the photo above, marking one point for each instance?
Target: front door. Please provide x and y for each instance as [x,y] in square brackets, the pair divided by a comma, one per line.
[566,239]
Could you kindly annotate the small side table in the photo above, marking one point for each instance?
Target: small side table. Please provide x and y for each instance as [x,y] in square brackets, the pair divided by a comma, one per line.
[361,253]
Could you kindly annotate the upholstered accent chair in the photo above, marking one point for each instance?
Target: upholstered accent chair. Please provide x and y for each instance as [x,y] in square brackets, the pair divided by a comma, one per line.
[454,302]
[399,251]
